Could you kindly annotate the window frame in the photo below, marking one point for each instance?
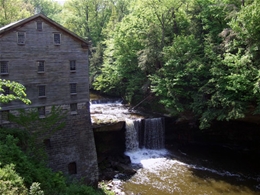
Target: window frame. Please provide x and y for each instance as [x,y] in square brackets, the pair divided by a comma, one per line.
[73,88]
[54,38]
[4,67]
[40,63]
[19,33]
[73,67]
[42,111]
[42,91]
[72,168]
[39,25]
[4,116]
[73,108]
[6,90]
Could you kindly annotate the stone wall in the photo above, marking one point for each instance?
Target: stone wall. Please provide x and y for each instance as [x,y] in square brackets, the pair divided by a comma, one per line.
[72,150]
[56,77]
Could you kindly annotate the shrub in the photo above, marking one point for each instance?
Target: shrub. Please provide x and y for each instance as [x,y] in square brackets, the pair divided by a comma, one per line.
[10,182]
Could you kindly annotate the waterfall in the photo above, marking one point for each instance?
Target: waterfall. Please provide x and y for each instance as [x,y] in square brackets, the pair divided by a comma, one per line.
[153,133]
[146,133]
[131,135]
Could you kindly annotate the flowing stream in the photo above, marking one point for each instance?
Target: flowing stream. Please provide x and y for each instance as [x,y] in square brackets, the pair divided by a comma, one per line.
[185,171]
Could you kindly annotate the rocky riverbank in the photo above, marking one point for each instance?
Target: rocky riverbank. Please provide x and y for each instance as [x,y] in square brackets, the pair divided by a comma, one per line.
[114,170]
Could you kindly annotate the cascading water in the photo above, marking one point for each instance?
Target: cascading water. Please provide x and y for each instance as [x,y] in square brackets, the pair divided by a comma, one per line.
[145,140]
[131,143]
[161,172]
[153,133]
[178,172]
[149,135]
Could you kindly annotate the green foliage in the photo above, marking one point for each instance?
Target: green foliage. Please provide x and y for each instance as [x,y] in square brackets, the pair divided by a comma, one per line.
[22,174]
[23,168]
[76,189]
[216,80]
[125,78]
[51,9]
[178,82]
[87,18]
[134,48]
[17,89]
[199,57]
[10,182]
[29,120]
[38,128]
[14,10]
[35,189]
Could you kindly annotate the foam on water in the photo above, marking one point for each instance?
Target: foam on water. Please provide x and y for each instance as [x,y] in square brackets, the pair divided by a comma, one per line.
[147,157]
[163,172]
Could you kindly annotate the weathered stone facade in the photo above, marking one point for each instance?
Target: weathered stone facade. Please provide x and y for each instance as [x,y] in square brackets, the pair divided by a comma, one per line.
[52,63]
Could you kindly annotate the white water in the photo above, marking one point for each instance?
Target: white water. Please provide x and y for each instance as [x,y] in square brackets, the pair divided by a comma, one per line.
[132,143]
[160,172]
[153,133]
[110,112]
[165,173]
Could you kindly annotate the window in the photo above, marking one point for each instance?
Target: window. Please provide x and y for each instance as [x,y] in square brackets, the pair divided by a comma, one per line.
[4,116]
[39,25]
[73,108]
[40,66]
[21,38]
[56,38]
[47,143]
[41,111]
[4,67]
[73,88]
[41,89]
[72,65]
[72,168]
[6,90]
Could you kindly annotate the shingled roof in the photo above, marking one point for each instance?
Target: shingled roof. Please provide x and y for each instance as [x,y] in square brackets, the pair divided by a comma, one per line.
[11,26]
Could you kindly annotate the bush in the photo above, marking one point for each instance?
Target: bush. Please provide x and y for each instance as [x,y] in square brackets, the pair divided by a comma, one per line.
[10,182]
[22,174]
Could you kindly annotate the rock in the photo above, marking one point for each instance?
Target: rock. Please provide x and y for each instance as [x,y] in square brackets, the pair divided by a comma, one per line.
[124,159]
[116,126]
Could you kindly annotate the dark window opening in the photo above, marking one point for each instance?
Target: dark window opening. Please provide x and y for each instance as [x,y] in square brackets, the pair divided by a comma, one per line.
[73,88]
[72,65]
[41,91]
[6,90]
[47,143]
[72,168]
[21,37]
[40,66]
[41,111]
[4,67]
[5,115]
[73,107]
[56,37]
[39,25]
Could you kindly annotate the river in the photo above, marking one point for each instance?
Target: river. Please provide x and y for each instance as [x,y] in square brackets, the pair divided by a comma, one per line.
[184,170]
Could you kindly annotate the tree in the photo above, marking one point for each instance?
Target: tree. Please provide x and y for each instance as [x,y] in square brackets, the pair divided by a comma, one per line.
[17,89]
[13,10]
[213,76]
[51,9]
[87,18]
[134,50]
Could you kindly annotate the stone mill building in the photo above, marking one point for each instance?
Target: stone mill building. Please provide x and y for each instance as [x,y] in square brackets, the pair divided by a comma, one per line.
[52,63]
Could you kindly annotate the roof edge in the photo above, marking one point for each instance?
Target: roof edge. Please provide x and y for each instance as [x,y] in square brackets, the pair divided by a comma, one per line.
[7,28]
